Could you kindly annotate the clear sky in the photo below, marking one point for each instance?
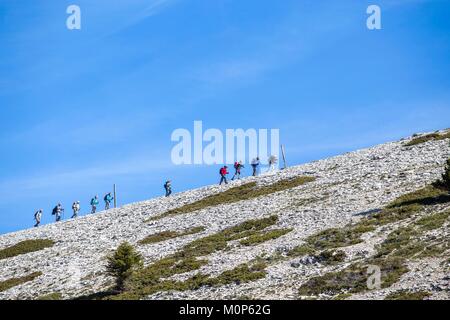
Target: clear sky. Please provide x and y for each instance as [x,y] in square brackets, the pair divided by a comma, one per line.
[83,109]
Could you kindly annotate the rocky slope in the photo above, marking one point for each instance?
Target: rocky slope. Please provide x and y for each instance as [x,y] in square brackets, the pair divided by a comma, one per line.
[346,189]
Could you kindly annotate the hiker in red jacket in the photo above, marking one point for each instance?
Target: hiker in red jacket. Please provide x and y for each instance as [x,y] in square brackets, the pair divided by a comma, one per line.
[223,175]
[237,167]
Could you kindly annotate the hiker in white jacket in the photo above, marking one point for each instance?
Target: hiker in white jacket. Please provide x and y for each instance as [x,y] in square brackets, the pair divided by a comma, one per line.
[76,209]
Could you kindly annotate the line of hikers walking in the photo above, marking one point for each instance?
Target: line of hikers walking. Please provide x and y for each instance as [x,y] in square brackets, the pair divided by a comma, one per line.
[58,210]
[238,166]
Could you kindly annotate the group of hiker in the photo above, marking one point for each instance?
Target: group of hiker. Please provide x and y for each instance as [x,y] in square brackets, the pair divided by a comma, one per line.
[237,172]
[238,166]
[58,210]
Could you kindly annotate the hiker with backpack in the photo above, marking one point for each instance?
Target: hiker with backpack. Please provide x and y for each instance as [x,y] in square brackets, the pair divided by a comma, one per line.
[237,167]
[108,198]
[94,204]
[168,187]
[57,211]
[255,163]
[223,175]
[76,209]
[37,217]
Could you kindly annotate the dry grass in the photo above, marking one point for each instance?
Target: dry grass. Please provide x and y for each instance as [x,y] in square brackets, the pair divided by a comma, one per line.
[433,221]
[12,282]
[263,236]
[24,247]
[407,295]
[51,296]
[353,279]
[428,137]
[166,235]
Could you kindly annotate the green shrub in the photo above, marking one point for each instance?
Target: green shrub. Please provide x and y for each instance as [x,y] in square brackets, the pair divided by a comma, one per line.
[407,205]
[51,296]
[264,236]
[434,250]
[429,195]
[392,214]
[123,263]
[400,243]
[353,279]
[218,241]
[241,274]
[332,238]
[433,221]
[422,139]
[9,283]
[331,257]
[407,295]
[342,296]
[166,235]
[338,237]
[301,250]
[426,138]
[24,247]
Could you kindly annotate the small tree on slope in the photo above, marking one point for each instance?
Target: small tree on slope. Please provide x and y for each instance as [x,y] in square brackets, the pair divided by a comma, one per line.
[123,263]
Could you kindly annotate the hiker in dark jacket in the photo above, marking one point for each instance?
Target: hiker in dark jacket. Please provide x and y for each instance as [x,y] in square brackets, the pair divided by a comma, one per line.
[108,198]
[168,188]
[57,211]
[223,175]
[37,217]
[94,204]
[237,167]
[255,164]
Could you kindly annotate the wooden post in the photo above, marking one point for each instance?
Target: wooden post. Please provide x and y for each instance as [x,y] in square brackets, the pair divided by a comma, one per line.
[115,196]
[284,156]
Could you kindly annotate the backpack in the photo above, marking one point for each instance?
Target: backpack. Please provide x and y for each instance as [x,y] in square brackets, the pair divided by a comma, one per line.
[55,209]
[236,165]
[223,171]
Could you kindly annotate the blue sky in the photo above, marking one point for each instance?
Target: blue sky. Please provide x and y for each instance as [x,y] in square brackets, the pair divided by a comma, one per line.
[83,109]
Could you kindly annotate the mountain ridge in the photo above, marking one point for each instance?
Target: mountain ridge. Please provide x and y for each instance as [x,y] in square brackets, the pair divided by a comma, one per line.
[344,190]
